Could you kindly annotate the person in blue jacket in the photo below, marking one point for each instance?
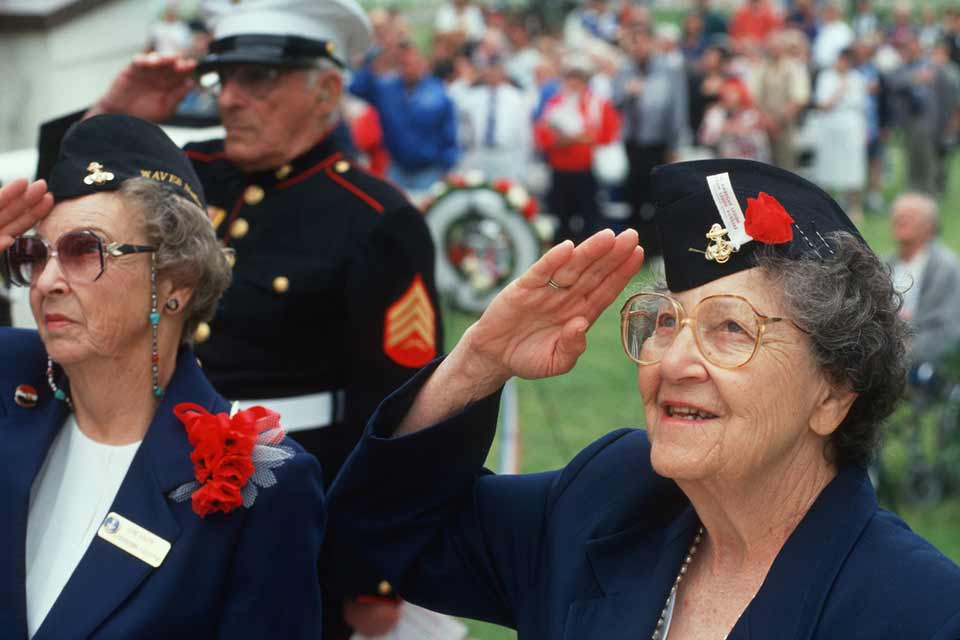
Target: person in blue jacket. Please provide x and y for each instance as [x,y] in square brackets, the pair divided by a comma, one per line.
[137,505]
[418,117]
[766,362]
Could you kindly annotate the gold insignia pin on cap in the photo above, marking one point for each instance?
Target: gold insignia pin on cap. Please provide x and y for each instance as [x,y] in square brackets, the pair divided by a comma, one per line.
[719,248]
[97,175]
[384,588]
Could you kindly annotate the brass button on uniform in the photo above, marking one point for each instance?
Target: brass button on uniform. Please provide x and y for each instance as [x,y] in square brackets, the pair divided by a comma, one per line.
[281,284]
[217,216]
[283,172]
[202,334]
[384,588]
[253,195]
[239,228]
[341,166]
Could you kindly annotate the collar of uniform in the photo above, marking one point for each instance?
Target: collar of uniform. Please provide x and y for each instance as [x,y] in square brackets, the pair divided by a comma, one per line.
[321,152]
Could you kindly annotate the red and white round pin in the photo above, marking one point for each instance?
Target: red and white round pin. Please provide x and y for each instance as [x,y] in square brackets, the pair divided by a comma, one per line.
[26,396]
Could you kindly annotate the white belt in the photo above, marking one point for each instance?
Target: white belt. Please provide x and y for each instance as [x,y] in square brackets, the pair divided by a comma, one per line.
[299,413]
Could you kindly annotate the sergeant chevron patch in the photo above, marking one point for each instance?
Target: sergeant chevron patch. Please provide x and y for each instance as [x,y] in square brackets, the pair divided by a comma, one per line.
[409,337]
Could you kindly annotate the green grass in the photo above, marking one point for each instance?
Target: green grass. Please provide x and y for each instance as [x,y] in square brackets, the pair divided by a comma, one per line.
[559,416]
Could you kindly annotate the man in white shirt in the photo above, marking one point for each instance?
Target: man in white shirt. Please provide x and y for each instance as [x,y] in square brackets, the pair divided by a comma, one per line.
[928,275]
[495,129]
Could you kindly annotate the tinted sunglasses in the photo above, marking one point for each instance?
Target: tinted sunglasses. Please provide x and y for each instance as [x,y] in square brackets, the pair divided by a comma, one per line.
[82,255]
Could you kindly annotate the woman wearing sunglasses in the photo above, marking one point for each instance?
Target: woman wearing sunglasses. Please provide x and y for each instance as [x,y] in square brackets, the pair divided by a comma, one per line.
[136,505]
[766,362]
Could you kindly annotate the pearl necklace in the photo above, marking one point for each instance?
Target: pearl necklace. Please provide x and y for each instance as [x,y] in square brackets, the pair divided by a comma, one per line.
[657,633]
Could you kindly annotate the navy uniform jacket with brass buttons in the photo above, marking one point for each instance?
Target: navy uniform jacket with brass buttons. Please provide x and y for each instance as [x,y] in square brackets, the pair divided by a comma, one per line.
[324,251]
[248,574]
[590,552]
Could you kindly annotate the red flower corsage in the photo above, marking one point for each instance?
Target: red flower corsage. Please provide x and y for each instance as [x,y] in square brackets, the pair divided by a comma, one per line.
[232,456]
[766,221]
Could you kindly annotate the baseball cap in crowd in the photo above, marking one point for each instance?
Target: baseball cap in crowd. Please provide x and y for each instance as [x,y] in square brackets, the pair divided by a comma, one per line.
[291,33]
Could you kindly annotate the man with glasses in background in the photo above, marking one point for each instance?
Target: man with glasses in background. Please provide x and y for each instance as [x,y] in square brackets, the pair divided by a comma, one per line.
[333,302]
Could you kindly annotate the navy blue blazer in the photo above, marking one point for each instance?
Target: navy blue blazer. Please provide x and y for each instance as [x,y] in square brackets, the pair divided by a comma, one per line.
[251,573]
[591,550]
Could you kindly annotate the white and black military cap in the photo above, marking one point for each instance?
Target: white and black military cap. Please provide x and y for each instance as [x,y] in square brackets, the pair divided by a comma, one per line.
[289,33]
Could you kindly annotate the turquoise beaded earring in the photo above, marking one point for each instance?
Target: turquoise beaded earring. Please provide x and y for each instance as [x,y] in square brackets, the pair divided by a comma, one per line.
[155,326]
[158,391]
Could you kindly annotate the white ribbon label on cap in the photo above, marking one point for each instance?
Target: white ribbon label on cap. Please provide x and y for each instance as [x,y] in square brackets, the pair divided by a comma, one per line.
[729,208]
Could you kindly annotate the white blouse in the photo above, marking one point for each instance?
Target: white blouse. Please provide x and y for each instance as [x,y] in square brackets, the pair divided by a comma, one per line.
[69,499]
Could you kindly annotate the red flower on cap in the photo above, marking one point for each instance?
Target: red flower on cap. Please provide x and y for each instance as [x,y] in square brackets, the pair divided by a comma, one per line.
[766,221]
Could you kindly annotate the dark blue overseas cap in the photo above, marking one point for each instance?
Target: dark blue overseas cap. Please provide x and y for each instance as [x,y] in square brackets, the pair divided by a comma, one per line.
[100,153]
[712,215]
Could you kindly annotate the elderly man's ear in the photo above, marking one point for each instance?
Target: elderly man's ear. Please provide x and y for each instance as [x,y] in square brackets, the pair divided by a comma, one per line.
[329,88]
[833,406]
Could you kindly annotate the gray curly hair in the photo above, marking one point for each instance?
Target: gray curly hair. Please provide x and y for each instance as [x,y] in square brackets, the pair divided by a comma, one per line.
[188,251]
[849,306]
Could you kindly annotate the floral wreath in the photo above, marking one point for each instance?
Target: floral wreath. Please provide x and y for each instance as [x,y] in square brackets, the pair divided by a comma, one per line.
[486,232]
[516,197]
[233,456]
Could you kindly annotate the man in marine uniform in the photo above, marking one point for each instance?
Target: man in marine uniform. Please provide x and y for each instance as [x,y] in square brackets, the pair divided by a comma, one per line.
[333,302]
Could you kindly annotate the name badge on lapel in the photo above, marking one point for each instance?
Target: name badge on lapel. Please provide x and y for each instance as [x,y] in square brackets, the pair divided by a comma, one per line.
[134,539]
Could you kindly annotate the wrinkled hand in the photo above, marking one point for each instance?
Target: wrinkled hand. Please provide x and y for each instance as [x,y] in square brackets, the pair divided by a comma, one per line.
[22,205]
[533,330]
[372,617]
[150,87]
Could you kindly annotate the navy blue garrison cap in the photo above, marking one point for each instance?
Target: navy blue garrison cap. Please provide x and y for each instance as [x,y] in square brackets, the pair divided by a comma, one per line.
[712,215]
[100,153]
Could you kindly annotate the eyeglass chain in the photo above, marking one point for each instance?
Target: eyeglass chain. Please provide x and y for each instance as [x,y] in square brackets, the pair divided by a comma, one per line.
[158,391]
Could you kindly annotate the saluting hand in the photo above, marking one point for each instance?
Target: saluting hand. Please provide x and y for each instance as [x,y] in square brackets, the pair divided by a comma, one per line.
[535,328]
[22,205]
[150,87]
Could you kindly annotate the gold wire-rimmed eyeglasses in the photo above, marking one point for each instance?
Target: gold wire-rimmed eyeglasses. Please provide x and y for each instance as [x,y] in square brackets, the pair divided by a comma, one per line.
[726,327]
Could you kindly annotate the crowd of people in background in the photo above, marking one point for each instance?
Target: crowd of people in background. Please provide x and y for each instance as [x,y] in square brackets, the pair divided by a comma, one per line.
[814,86]
[580,111]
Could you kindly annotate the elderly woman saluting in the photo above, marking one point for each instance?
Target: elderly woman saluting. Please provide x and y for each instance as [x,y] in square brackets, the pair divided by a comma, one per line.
[766,365]
[130,510]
